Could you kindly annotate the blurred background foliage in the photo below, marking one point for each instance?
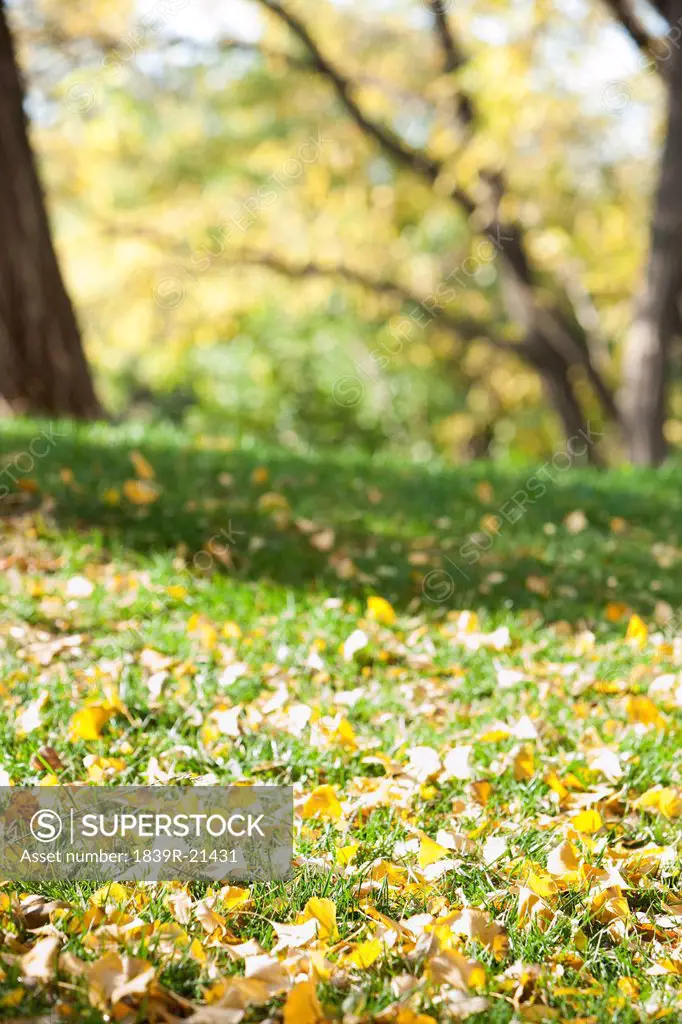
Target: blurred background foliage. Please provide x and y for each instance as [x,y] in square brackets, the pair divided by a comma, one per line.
[152,139]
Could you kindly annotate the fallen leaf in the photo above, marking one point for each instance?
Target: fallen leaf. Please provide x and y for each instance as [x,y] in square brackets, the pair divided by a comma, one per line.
[380,609]
[364,954]
[40,963]
[88,723]
[302,1005]
[588,821]
[324,912]
[637,632]
[524,764]
[79,586]
[430,852]
[322,803]
[140,492]
[143,469]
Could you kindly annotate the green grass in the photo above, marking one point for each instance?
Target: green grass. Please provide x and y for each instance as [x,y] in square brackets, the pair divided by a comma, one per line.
[403,532]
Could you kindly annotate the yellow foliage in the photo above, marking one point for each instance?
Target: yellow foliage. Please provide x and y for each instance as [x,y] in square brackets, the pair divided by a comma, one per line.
[322,803]
[140,492]
[588,821]
[380,609]
[324,912]
[637,632]
[302,1005]
[430,852]
[88,723]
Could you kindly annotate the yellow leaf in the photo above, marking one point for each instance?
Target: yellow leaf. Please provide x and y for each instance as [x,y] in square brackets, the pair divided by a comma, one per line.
[587,821]
[232,896]
[364,953]
[664,799]
[272,501]
[629,987]
[477,924]
[637,631]
[196,951]
[555,784]
[610,905]
[573,782]
[642,710]
[491,523]
[533,910]
[672,966]
[142,467]
[347,854]
[101,768]
[112,892]
[322,803]
[542,885]
[449,967]
[380,609]
[87,724]
[538,585]
[494,735]
[345,736]
[524,764]
[260,475]
[140,492]
[302,1005]
[212,922]
[205,631]
[484,492]
[394,874]
[114,980]
[616,610]
[430,852]
[481,791]
[324,912]
[112,701]
[13,997]
[407,1016]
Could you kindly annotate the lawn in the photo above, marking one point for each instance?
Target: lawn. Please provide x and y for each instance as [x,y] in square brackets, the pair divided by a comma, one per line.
[478,704]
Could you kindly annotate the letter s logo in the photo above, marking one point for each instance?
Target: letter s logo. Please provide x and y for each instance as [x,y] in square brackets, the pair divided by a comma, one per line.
[46,826]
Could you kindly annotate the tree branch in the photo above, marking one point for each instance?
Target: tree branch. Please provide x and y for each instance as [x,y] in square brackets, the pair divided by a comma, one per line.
[453,58]
[465,327]
[513,253]
[555,331]
[107,44]
[401,151]
[533,350]
[624,12]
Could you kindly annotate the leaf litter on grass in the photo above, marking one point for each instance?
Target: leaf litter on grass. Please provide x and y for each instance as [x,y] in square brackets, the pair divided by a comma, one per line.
[487,809]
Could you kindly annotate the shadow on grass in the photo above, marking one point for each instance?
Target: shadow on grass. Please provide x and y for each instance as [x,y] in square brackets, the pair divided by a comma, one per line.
[344,525]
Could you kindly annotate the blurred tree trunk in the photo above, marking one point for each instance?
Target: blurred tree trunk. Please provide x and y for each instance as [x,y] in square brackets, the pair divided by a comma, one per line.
[646,368]
[42,366]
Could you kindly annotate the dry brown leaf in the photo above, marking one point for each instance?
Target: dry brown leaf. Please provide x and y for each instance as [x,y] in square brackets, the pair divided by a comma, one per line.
[40,963]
